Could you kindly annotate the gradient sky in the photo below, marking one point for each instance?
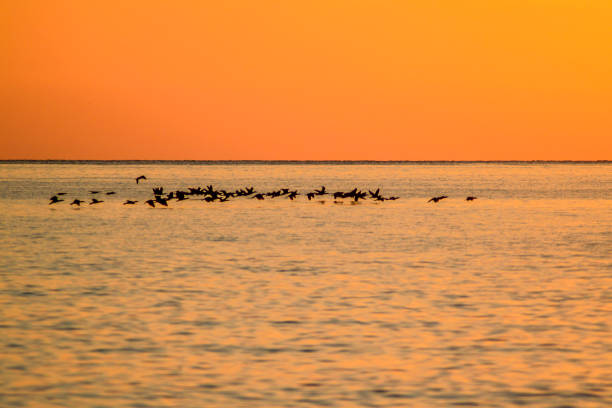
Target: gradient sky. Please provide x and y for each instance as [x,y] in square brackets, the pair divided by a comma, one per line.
[380,80]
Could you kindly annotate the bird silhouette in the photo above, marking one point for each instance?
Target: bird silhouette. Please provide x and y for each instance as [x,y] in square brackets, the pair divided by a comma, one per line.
[151,203]
[259,196]
[360,195]
[77,202]
[470,198]
[374,194]
[322,191]
[161,200]
[128,202]
[60,194]
[95,201]
[110,193]
[351,193]
[180,195]
[140,178]
[436,199]
[54,200]
[93,192]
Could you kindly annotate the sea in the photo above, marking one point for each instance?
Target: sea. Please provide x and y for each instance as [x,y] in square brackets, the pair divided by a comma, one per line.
[502,301]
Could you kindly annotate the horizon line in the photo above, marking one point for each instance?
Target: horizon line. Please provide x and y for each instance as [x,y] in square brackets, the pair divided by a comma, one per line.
[288,161]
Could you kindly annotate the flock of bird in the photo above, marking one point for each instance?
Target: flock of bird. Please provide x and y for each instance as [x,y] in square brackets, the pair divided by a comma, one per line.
[210,194]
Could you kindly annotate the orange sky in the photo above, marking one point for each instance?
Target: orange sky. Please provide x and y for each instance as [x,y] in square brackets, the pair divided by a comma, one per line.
[380,80]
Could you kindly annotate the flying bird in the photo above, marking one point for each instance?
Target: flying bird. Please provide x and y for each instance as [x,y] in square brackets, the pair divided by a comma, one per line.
[54,200]
[110,193]
[140,178]
[470,198]
[374,194]
[95,201]
[151,203]
[128,202]
[351,193]
[161,200]
[360,195]
[436,199]
[77,202]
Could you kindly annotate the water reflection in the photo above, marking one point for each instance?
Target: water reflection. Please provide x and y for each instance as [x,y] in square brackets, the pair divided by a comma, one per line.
[503,301]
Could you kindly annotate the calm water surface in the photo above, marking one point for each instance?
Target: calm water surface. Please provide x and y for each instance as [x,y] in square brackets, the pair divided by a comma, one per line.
[504,301]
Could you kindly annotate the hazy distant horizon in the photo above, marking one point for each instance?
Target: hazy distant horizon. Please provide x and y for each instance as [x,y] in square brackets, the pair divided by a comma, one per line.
[290,161]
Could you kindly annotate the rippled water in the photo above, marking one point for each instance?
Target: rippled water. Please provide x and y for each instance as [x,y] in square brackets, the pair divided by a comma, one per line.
[503,301]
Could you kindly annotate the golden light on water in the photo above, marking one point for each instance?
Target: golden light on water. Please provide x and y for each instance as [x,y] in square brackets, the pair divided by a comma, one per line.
[294,303]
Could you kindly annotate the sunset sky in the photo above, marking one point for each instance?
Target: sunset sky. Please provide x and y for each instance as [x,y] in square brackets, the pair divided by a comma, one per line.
[306,80]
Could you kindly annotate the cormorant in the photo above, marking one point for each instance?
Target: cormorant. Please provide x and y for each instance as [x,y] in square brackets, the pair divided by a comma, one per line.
[161,200]
[322,191]
[374,194]
[436,199]
[360,195]
[140,178]
[350,193]
[54,200]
